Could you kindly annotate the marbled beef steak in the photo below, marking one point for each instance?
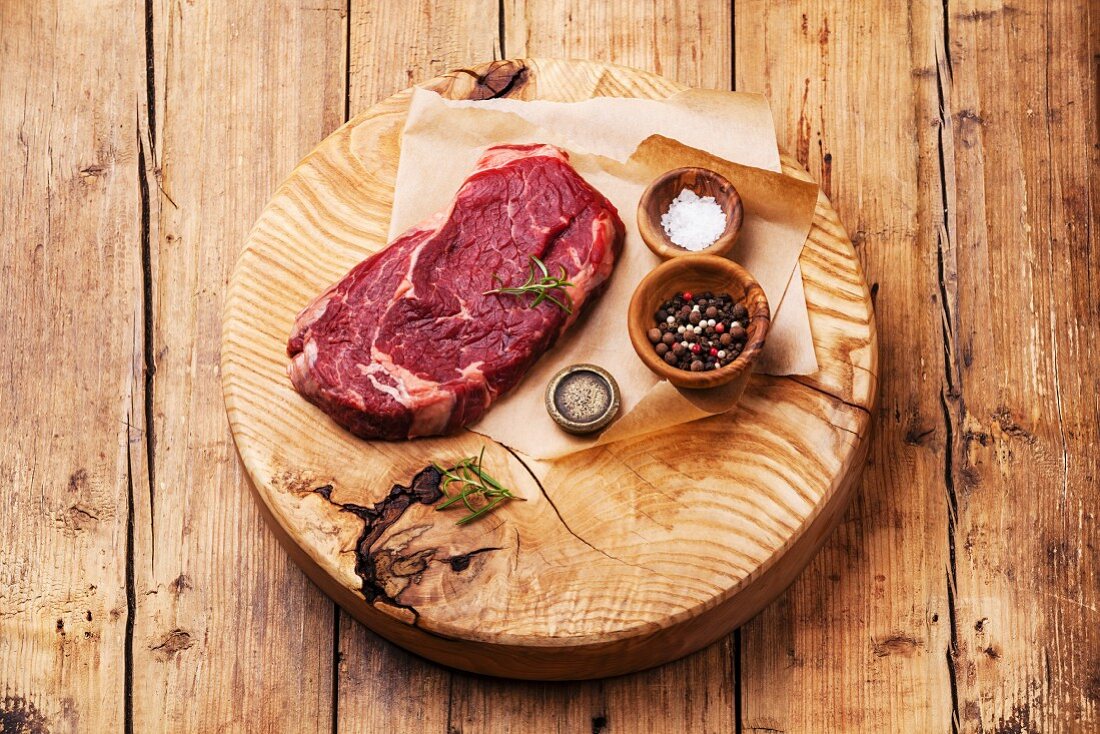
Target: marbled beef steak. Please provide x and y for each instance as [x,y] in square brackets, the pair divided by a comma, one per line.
[407,344]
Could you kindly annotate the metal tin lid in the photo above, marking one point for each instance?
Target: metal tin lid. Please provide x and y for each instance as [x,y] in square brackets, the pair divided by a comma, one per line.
[582,398]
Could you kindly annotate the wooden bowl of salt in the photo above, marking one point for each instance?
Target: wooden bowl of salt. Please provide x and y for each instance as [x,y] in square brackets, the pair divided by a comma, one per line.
[690,211]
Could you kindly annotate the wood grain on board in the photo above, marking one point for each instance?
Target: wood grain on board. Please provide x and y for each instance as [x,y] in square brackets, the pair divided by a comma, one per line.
[70,384]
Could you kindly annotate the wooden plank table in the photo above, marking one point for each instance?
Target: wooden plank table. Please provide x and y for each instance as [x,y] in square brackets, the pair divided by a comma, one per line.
[139,588]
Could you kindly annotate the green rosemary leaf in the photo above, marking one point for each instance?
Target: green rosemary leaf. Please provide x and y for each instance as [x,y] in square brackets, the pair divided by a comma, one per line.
[476,489]
[541,289]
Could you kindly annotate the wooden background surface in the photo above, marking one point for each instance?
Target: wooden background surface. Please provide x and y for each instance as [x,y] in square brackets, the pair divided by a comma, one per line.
[139,588]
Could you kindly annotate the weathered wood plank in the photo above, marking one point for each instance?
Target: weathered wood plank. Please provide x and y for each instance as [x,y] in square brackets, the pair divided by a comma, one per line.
[380,687]
[230,635]
[396,45]
[70,387]
[492,706]
[688,42]
[1021,387]
[863,635]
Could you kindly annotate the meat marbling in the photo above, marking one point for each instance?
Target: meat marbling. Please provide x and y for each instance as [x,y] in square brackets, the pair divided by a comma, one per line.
[407,344]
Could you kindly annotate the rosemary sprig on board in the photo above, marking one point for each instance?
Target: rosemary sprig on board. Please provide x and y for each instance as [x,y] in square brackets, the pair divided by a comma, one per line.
[540,286]
[472,482]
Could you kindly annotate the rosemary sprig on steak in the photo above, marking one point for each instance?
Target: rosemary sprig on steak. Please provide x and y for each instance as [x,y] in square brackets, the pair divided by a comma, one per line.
[478,491]
[539,286]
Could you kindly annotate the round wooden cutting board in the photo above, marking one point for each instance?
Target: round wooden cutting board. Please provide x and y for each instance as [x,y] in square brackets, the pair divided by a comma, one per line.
[623,556]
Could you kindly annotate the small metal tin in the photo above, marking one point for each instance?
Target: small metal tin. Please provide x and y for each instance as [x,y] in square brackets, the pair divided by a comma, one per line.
[582,398]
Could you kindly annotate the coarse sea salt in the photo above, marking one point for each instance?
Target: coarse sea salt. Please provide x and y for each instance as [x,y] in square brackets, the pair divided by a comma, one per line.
[693,222]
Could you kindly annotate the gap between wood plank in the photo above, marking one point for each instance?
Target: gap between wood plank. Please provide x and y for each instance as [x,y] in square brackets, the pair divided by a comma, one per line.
[738,708]
[149,369]
[733,45]
[335,667]
[147,265]
[947,274]
[131,539]
[347,61]
[131,595]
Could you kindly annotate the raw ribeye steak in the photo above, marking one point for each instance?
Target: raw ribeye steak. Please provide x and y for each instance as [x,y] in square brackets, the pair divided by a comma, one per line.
[408,344]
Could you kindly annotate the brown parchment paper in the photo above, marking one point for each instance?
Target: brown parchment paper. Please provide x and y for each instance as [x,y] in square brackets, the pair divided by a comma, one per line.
[441,143]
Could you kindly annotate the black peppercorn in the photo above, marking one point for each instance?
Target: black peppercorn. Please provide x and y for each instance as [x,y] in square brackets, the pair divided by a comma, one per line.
[691,342]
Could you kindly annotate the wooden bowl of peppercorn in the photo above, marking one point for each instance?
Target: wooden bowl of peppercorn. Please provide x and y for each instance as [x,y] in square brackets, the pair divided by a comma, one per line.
[671,314]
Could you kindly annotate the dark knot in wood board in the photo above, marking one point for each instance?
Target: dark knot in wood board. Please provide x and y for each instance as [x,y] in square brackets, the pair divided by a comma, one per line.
[500,79]
[461,562]
[385,572]
[174,642]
